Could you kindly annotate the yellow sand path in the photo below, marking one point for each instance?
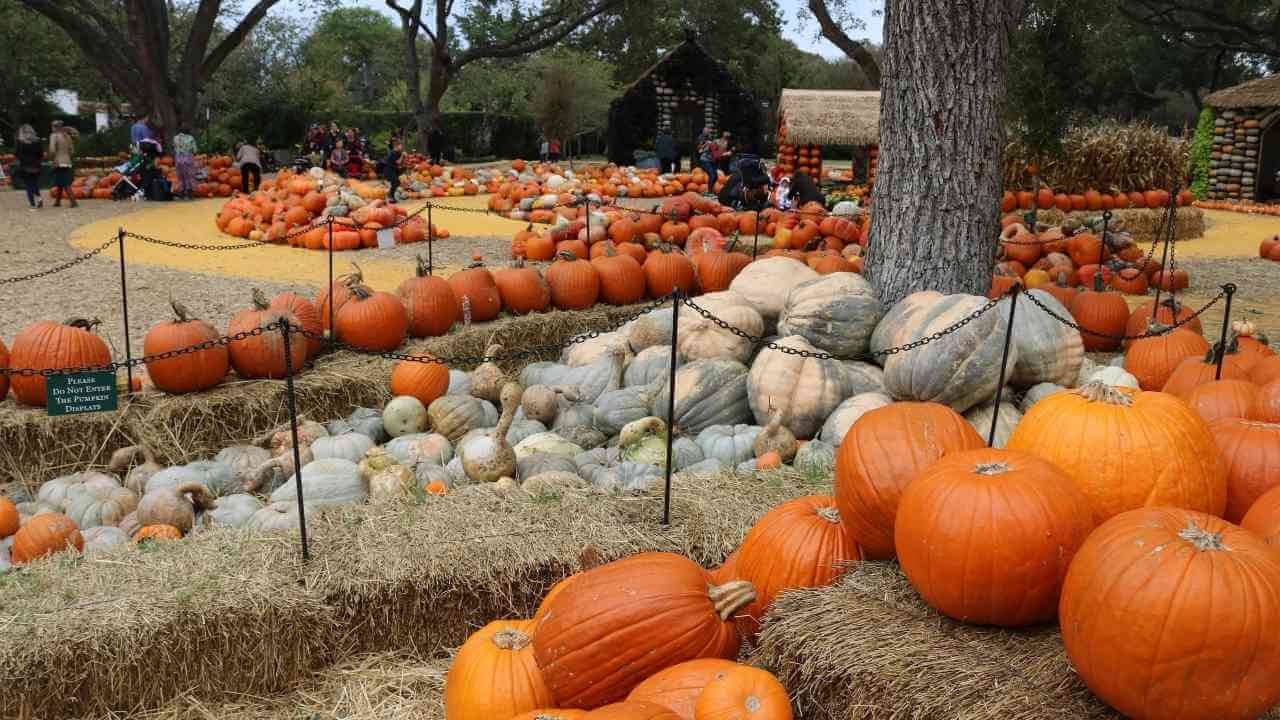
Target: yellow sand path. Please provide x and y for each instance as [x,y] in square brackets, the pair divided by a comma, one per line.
[193,222]
[1230,234]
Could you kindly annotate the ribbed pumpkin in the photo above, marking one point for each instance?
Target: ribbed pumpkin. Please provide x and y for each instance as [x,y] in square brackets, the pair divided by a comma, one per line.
[494,674]
[716,269]
[1220,399]
[677,688]
[1263,518]
[1170,311]
[575,284]
[621,277]
[523,289]
[1152,360]
[1193,372]
[638,710]
[341,292]
[551,714]
[43,535]
[1127,449]
[1100,315]
[1267,405]
[986,536]
[744,693]
[617,624]
[423,380]
[429,302]
[263,356]
[880,455]
[308,316]
[798,544]
[476,285]
[1265,370]
[1168,613]
[372,319]
[1251,451]
[667,269]
[49,345]
[189,372]
[156,533]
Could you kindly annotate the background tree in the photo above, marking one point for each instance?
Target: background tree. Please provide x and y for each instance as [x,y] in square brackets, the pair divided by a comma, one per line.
[36,58]
[493,29]
[573,96]
[835,19]
[353,58]
[934,206]
[131,44]
[1245,27]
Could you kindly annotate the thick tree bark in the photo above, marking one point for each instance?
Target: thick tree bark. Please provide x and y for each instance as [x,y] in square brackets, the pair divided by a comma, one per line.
[935,206]
[854,50]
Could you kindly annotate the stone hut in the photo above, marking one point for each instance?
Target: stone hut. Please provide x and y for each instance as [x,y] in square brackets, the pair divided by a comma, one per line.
[1246,142]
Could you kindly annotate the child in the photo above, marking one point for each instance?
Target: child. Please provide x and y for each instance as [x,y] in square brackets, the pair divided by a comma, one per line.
[391,166]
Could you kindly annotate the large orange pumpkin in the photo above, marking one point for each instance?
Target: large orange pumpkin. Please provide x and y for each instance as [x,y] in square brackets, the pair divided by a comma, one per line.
[1153,359]
[192,371]
[575,284]
[879,456]
[617,624]
[717,269]
[307,314]
[744,693]
[1219,399]
[9,520]
[1127,449]
[677,688]
[51,345]
[638,710]
[523,289]
[986,536]
[1263,518]
[1251,451]
[1168,613]
[429,302]
[665,270]
[1102,317]
[43,535]
[494,674]
[426,381]
[1193,372]
[263,356]
[372,320]
[799,544]
[1267,405]
[1265,370]
[621,277]
[476,286]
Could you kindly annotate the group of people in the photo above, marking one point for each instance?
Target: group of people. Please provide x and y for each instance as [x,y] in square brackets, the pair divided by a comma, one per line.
[336,150]
[144,141]
[712,154]
[30,153]
[549,150]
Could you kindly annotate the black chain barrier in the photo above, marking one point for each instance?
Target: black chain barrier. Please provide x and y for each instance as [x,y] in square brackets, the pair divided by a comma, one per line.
[1164,330]
[64,266]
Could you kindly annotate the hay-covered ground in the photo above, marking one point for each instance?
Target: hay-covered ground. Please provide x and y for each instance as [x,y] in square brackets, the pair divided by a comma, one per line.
[231,614]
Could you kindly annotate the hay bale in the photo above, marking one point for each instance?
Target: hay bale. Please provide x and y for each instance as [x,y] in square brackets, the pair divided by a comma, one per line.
[35,447]
[232,613]
[1141,223]
[868,648]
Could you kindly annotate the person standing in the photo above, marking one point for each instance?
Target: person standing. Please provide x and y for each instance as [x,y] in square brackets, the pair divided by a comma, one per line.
[339,157]
[30,153]
[436,141]
[184,156]
[706,155]
[141,130]
[553,150]
[543,149]
[250,163]
[665,147]
[391,166]
[61,152]
[724,147]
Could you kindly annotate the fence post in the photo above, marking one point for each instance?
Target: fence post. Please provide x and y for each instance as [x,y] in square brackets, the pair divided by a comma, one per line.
[1230,290]
[1164,260]
[671,404]
[1004,364]
[431,238]
[755,240]
[586,198]
[124,308]
[333,301]
[286,331]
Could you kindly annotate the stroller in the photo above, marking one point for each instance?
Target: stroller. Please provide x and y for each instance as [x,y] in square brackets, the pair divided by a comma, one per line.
[140,177]
[748,187]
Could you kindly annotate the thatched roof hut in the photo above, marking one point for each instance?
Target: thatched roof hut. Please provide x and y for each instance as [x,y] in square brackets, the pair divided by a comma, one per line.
[1260,93]
[830,117]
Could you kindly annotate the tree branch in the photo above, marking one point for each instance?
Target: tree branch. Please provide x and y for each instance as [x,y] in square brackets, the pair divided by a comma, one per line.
[852,49]
[198,39]
[210,64]
[529,41]
[1186,20]
[92,39]
[412,17]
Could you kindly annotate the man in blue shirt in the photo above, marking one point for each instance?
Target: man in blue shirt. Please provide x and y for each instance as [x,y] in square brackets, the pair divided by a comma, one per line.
[140,131]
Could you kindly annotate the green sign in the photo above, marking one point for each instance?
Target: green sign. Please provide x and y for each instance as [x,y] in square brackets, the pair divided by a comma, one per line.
[80,393]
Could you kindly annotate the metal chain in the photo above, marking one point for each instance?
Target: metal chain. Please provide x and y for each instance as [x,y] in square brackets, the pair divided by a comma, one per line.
[59,268]
[1167,328]
[135,362]
[197,246]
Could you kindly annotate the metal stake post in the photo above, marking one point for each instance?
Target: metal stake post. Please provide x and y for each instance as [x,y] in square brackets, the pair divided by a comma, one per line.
[1167,229]
[124,308]
[431,238]
[333,329]
[671,404]
[286,331]
[755,241]
[1004,364]
[1230,290]
[586,200]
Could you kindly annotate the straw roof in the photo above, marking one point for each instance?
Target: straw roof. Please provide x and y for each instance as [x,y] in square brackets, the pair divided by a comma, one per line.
[831,117]
[1263,92]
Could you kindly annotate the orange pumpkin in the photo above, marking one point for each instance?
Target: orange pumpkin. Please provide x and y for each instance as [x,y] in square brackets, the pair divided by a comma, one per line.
[9,519]
[677,688]
[1193,372]
[192,371]
[50,345]
[426,381]
[575,284]
[1251,451]
[1153,359]
[156,533]
[372,319]
[744,693]
[1267,406]
[307,314]
[523,289]
[263,356]
[44,535]
[476,286]
[631,711]
[666,269]
[622,279]
[494,674]
[1263,518]
[1102,317]
[429,302]
[1219,399]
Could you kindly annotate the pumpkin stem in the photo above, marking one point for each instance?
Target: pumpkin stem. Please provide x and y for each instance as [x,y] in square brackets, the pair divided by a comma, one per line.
[180,310]
[424,267]
[829,513]
[83,323]
[259,300]
[996,468]
[1218,351]
[123,458]
[1200,538]
[510,639]
[476,264]
[731,597]
[1098,391]
[200,496]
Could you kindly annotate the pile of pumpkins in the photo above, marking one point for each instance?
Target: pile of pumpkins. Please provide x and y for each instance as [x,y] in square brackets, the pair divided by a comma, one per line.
[283,207]
[608,181]
[1247,207]
[221,179]
[1092,200]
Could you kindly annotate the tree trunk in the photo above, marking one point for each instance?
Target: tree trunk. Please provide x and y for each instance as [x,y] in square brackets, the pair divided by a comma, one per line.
[936,213]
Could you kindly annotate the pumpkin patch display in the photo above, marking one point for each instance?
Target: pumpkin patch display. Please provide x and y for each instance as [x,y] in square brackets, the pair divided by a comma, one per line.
[986,536]
[617,624]
[1180,569]
[1100,435]
[1251,451]
[494,674]
[678,687]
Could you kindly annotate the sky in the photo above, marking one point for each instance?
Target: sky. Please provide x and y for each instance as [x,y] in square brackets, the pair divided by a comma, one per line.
[805,37]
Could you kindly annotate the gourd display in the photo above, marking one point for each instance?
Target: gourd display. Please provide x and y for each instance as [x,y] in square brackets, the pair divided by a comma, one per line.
[1251,451]
[805,390]
[702,339]
[707,392]
[961,369]
[176,506]
[494,674]
[488,457]
[1100,435]
[1229,670]
[325,482]
[455,415]
[880,455]
[658,606]
[91,506]
[836,313]
[50,345]
[980,418]
[986,536]
[192,371]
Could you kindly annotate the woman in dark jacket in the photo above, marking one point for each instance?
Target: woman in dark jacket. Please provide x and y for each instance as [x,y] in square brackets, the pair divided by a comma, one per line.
[804,191]
[30,153]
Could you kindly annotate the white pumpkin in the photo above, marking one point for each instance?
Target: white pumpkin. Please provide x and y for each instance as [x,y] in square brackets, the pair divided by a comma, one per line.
[816,457]
[332,481]
[347,446]
[98,540]
[628,478]
[243,459]
[589,351]
[547,442]
[56,492]
[729,444]
[1036,393]
[1048,351]
[459,383]
[847,413]
[234,510]
[404,415]
[216,476]
[652,329]
[702,339]
[708,392]
[1112,375]
[980,418]
[391,483]
[767,283]
[649,366]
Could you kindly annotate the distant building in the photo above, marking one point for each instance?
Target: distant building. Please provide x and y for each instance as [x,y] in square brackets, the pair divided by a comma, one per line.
[1246,142]
[68,102]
